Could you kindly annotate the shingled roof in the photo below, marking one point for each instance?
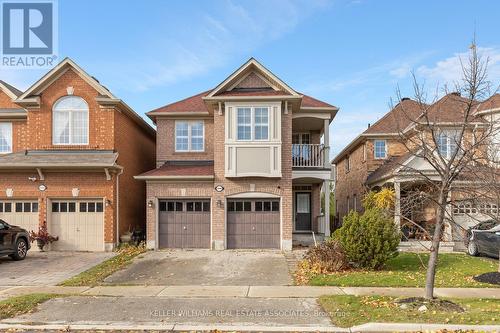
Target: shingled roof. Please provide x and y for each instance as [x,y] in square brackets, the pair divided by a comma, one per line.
[180,169]
[491,103]
[11,88]
[398,118]
[451,108]
[191,104]
[59,158]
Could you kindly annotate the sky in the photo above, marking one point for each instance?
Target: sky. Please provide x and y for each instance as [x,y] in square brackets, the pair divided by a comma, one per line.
[353,54]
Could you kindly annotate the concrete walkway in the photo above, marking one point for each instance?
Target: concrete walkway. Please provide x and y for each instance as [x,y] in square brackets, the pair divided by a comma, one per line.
[246,291]
[154,326]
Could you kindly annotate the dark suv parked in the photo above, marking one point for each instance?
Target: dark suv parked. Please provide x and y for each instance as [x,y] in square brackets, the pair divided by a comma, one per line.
[14,241]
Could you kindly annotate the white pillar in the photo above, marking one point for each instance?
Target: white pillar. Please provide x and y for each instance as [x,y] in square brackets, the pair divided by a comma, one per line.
[397,204]
[326,186]
[326,139]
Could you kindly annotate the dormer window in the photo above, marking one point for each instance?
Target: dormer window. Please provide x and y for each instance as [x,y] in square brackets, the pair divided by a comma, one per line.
[70,121]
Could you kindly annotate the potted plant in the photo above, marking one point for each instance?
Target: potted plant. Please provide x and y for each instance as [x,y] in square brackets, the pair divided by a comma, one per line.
[42,237]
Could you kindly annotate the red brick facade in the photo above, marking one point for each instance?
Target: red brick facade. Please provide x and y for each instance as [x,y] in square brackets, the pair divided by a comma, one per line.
[111,129]
[249,90]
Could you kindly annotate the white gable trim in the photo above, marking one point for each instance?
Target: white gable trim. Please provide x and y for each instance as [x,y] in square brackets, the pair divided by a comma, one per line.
[249,63]
[7,91]
[55,73]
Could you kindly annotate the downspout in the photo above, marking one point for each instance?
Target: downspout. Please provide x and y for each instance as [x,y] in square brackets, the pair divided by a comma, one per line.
[117,205]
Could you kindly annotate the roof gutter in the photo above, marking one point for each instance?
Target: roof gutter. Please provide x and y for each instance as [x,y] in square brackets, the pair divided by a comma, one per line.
[188,177]
[245,98]
[488,111]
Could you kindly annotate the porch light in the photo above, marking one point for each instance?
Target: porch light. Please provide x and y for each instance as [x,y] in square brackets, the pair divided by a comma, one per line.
[219,203]
[150,203]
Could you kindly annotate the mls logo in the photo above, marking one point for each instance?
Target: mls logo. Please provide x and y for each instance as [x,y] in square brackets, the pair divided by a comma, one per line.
[28,33]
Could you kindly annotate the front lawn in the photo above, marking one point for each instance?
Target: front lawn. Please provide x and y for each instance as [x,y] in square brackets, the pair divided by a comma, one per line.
[19,305]
[347,311]
[95,275]
[406,270]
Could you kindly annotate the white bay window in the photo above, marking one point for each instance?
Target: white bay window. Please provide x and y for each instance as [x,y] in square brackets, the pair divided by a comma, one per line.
[252,139]
[70,121]
[189,136]
[5,138]
[252,123]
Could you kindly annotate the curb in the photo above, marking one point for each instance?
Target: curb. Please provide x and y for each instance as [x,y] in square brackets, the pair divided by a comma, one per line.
[369,327]
[187,291]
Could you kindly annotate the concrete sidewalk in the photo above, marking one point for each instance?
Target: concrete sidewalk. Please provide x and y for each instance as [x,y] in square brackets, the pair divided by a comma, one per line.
[246,291]
[369,327]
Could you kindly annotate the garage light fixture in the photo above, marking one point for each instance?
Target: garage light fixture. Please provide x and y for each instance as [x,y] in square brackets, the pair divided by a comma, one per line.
[219,203]
[150,203]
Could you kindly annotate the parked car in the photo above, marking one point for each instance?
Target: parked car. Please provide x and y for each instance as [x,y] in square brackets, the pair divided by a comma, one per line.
[484,238]
[14,241]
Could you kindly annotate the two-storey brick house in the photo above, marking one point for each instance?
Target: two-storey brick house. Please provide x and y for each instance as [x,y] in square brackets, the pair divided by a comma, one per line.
[239,166]
[380,157]
[68,152]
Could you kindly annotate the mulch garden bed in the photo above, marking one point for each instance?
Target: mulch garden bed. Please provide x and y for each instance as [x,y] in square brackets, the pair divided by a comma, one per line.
[491,277]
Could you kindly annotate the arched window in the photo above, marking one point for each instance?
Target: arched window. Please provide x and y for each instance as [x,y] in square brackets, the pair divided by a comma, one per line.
[70,121]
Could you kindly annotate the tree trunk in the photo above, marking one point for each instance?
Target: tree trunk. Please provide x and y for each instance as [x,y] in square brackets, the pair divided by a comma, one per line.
[436,239]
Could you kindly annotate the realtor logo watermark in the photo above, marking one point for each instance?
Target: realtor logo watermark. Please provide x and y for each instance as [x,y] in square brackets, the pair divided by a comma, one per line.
[29,33]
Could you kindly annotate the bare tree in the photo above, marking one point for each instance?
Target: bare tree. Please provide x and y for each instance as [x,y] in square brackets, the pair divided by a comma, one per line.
[455,147]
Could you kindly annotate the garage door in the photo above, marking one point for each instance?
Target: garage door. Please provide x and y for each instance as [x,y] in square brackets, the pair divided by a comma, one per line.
[184,224]
[23,213]
[253,224]
[79,224]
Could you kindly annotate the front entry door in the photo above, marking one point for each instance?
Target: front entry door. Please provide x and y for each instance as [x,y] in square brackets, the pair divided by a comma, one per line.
[303,211]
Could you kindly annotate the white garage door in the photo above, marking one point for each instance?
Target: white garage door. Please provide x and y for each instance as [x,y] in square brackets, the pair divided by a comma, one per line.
[79,224]
[23,213]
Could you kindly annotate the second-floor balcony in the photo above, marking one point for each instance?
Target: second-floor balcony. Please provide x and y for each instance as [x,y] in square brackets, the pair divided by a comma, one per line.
[309,156]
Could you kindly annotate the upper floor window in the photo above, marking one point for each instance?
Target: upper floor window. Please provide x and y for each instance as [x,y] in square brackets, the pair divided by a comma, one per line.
[447,142]
[70,121]
[189,135]
[252,123]
[348,163]
[380,149]
[5,138]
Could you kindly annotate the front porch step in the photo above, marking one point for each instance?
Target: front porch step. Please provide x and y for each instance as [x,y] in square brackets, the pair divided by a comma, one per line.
[306,239]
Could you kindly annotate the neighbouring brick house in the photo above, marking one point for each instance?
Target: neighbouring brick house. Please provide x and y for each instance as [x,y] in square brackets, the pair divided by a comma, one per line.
[68,152]
[379,157]
[239,166]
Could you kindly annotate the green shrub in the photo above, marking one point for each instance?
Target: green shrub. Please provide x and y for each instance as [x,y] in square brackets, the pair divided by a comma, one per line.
[368,240]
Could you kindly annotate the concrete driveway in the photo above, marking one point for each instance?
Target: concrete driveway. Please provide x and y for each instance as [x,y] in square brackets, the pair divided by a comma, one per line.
[47,268]
[204,267]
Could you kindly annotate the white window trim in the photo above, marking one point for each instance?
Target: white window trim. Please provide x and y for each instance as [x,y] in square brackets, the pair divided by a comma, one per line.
[375,149]
[252,122]
[70,143]
[9,125]
[190,122]
[449,135]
